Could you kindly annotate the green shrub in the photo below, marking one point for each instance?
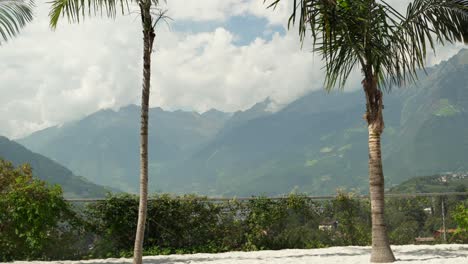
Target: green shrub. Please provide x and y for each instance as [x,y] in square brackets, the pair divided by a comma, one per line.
[354,226]
[407,220]
[189,224]
[460,216]
[405,233]
[34,218]
[113,221]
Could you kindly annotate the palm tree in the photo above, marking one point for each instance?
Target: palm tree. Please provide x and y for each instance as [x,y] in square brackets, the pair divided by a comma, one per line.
[150,16]
[389,47]
[14,15]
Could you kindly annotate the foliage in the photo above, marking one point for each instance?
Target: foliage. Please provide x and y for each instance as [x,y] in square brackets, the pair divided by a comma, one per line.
[35,219]
[14,15]
[276,224]
[192,224]
[432,184]
[189,223]
[444,108]
[460,216]
[75,10]
[114,221]
[406,219]
[353,220]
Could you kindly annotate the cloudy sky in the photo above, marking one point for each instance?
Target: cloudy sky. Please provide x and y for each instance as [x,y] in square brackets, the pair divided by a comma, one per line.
[224,54]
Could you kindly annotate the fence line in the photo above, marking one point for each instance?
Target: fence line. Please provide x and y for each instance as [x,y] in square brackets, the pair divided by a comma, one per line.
[325,197]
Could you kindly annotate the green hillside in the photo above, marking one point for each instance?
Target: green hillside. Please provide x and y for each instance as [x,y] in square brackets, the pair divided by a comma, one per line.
[311,146]
[50,171]
[448,182]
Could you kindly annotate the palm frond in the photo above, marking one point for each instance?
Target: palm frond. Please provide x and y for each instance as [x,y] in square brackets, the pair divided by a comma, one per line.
[76,10]
[425,23]
[14,15]
[336,29]
[373,35]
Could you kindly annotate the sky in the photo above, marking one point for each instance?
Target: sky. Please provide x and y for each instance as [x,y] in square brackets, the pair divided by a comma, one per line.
[225,54]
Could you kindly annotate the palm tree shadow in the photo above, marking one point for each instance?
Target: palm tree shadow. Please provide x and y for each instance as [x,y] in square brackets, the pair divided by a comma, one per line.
[434,253]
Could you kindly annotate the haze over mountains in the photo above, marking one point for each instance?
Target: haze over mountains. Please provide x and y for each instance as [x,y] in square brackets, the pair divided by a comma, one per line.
[50,171]
[316,144]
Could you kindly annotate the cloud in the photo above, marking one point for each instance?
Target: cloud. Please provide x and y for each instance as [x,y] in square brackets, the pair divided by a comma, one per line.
[53,77]
[207,70]
[49,78]
[216,10]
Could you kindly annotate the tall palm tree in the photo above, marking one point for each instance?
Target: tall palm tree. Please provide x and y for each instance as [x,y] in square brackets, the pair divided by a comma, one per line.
[14,14]
[388,47]
[150,16]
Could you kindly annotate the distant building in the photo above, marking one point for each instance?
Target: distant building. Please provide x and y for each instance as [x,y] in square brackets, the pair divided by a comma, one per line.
[428,210]
[424,240]
[328,226]
[440,232]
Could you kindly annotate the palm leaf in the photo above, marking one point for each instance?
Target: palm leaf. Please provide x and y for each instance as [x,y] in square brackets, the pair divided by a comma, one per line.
[76,10]
[14,15]
[426,22]
[376,37]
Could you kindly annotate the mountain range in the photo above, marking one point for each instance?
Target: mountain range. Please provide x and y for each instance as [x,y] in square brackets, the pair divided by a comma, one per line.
[315,144]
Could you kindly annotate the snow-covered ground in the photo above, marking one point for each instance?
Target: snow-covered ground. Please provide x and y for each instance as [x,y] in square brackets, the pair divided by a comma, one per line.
[415,254]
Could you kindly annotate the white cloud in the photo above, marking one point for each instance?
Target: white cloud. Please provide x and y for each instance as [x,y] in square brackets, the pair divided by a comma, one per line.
[48,78]
[202,10]
[206,70]
[221,10]
[53,77]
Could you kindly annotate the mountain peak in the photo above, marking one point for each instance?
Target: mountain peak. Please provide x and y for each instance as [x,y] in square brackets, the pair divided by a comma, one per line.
[214,112]
[267,105]
[130,107]
[461,58]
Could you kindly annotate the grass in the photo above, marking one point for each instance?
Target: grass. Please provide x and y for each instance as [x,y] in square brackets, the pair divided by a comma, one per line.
[444,109]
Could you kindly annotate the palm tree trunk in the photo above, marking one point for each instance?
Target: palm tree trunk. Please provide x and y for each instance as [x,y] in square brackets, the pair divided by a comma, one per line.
[381,251]
[148,38]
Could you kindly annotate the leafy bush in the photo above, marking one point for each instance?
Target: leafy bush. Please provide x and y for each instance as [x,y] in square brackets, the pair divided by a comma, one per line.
[404,233]
[189,224]
[354,224]
[113,221]
[277,224]
[406,220]
[460,216]
[32,216]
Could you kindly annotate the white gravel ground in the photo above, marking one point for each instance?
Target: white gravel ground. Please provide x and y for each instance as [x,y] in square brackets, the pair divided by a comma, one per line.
[415,254]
